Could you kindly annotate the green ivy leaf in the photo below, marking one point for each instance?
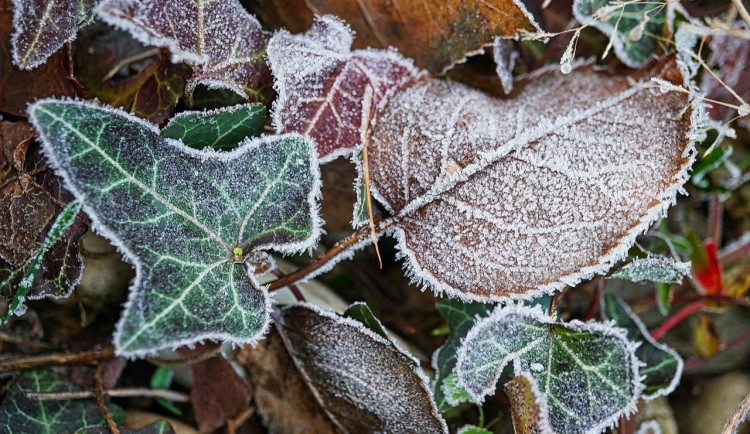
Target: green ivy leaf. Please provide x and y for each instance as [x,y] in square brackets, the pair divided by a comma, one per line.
[585,375]
[219,129]
[460,318]
[182,216]
[64,220]
[633,24]
[21,414]
[663,366]
[653,269]
[360,312]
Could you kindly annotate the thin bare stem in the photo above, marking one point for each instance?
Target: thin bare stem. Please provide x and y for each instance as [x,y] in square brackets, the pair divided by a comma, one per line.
[341,248]
[676,319]
[83,357]
[292,287]
[134,392]
[742,11]
[100,403]
[128,60]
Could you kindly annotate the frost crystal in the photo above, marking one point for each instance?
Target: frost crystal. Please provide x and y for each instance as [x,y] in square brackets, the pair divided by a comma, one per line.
[321,84]
[653,269]
[518,197]
[218,39]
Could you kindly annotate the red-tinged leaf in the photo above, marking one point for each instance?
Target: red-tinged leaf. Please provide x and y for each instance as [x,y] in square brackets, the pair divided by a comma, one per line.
[730,57]
[524,405]
[436,34]
[218,393]
[41,27]
[156,99]
[706,269]
[324,98]
[221,42]
[706,337]
[17,87]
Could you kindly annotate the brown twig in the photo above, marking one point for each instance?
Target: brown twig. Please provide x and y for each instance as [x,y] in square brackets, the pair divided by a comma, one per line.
[19,340]
[236,422]
[83,357]
[292,287]
[339,248]
[737,417]
[99,396]
[134,392]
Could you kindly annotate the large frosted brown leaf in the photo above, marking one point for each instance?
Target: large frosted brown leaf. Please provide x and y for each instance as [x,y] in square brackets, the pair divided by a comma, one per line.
[435,33]
[362,381]
[221,42]
[522,196]
[324,99]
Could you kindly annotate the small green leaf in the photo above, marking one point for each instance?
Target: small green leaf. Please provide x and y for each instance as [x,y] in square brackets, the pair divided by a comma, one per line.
[223,128]
[664,297]
[64,220]
[161,379]
[360,312]
[460,318]
[472,429]
[663,366]
[178,213]
[586,373]
[21,414]
[653,269]
[709,163]
[636,26]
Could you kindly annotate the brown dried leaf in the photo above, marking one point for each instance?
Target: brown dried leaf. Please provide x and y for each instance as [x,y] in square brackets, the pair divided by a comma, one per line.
[218,393]
[18,88]
[524,406]
[362,381]
[284,402]
[522,196]
[437,34]
[730,56]
[28,210]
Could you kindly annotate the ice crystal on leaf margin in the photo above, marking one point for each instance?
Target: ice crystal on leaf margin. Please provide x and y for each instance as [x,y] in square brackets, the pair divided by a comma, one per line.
[221,41]
[321,84]
[589,376]
[177,214]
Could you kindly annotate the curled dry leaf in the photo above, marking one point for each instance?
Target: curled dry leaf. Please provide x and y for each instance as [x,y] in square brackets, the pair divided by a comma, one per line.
[218,393]
[437,34]
[221,42]
[41,27]
[324,99]
[362,380]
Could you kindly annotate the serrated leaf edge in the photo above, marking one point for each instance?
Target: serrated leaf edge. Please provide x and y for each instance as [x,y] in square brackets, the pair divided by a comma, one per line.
[647,337]
[538,314]
[246,146]
[425,382]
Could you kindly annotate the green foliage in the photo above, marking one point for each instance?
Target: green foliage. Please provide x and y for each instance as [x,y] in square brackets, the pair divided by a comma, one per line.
[178,213]
[662,365]
[223,128]
[584,374]
[653,269]
[460,318]
[360,312]
[21,414]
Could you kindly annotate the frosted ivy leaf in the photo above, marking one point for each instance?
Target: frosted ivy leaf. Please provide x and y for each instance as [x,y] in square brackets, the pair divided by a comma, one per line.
[522,196]
[362,380]
[590,376]
[184,218]
[218,38]
[653,269]
[662,366]
[321,84]
[221,129]
[41,27]
[632,26]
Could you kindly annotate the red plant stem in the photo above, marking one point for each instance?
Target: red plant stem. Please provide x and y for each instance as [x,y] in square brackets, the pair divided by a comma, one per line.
[728,299]
[676,318]
[694,362]
[292,287]
[594,303]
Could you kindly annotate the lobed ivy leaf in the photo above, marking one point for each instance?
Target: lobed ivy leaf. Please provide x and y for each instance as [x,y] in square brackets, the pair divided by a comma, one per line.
[520,197]
[22,414]
[41,27]
[634,27]
[584,375]
[222,128]
[324,98]
[362,381]
[184,218]
[222,43]
[460,318]
[662,366]
[653,269]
